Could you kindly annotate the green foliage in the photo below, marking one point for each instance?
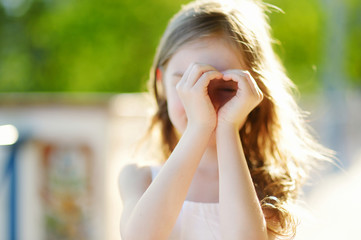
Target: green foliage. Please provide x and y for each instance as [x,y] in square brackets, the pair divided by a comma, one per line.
[299,32]
[84,45]
[108,46]
[353,44]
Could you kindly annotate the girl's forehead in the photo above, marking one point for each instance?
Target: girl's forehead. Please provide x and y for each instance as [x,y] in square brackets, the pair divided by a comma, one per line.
[215,51]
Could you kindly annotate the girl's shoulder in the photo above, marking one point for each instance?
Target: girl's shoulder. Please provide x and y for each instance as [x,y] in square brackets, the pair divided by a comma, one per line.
[139,170]
[135,178]
[134,172]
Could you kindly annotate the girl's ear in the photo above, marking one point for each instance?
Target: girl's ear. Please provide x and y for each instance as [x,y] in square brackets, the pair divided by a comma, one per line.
[159,82]
[159,75]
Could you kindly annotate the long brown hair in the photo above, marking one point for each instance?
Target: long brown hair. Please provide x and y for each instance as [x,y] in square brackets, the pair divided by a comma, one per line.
[276,142]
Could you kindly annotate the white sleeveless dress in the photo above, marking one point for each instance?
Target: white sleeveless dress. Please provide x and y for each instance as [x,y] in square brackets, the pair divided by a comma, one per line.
[196,221]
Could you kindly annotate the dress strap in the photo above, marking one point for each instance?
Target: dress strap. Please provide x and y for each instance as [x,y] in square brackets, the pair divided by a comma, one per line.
[155,170]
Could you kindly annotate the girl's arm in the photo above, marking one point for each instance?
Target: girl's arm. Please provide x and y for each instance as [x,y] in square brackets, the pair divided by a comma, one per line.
[153,214]
[241,215]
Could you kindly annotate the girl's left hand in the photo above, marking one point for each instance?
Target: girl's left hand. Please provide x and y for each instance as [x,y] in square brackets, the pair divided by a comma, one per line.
[247,97]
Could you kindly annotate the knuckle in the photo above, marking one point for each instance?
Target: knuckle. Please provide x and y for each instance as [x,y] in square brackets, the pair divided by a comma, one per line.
[180,88]
[198,67]
[207,74]
[210,73]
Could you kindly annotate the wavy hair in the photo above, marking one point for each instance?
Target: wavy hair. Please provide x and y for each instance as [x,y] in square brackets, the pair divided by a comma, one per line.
[277,143]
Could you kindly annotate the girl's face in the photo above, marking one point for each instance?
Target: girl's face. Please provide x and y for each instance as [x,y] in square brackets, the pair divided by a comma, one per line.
[214,51]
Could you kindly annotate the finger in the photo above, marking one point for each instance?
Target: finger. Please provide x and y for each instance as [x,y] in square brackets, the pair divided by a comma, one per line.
[238,77]
[204,80]
[188,70]
[241,76]
[234,74]
[185,75]
[198,69]
[253,85]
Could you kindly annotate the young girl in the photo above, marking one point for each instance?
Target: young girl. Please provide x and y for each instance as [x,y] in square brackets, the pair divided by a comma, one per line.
[236,150]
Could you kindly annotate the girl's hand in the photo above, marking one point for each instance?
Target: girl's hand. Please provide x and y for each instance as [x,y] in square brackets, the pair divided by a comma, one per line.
[193,92]
[247,97]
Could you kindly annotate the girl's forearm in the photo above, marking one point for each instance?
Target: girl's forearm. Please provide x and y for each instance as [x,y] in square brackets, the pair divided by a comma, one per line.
[156,212]
[241,216]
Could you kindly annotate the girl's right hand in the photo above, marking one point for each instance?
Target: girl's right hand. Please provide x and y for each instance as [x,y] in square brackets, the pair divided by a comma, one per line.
[193,92]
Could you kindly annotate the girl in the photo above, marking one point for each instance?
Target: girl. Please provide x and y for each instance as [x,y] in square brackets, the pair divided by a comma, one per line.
[236,145]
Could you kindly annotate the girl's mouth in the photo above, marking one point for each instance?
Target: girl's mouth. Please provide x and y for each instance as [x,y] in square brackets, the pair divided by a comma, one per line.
[221,91]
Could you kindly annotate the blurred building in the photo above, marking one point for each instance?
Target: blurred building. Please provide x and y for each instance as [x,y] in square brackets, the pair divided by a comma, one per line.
[59,179]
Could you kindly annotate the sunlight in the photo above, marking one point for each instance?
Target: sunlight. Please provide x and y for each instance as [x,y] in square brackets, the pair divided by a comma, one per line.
[8,135]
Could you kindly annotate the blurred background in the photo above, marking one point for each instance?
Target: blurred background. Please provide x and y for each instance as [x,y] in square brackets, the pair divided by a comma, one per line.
[72,77]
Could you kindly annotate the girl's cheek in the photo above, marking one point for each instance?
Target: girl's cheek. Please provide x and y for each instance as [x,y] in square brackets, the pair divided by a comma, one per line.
[179,106]
[176,107]
[177,113]
[175,102]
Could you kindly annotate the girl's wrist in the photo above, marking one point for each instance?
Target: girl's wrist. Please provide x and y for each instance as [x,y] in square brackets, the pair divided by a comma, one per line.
[199,128]
[225,125]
